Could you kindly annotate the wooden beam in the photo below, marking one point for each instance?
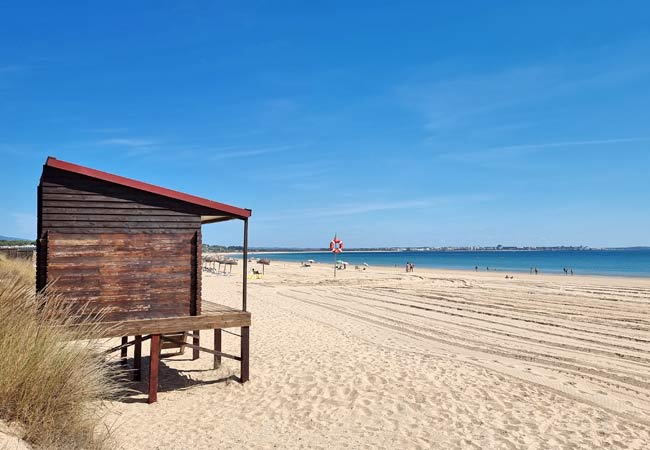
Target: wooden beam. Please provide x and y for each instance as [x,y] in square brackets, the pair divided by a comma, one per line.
[245,346]
[128,344]
[217,348]
[196,341]
[154,363]
[167,325]
[205,349]
[137,359]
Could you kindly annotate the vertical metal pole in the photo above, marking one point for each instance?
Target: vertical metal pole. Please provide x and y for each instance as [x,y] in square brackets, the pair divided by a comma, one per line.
[245,265]
[334,253]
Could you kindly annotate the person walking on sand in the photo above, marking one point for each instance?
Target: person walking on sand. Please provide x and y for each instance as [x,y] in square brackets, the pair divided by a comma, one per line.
[535,270]
[571,272]
[476,268]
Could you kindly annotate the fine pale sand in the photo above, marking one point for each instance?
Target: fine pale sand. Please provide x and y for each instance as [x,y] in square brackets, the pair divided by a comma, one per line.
[431,359]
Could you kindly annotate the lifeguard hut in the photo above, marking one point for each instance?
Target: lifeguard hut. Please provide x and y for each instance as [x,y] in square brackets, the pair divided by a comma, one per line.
[133,251]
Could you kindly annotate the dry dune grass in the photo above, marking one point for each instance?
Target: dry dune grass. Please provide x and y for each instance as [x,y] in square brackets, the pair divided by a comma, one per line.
[52,381]
[18,268]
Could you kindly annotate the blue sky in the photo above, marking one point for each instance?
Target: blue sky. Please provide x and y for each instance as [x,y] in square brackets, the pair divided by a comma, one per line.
[391,123]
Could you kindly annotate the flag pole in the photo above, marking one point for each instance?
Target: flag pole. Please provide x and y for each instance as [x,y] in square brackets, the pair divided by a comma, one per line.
[334,255]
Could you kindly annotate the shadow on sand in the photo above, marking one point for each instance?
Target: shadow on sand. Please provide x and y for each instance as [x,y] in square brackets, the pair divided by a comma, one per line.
[169,379]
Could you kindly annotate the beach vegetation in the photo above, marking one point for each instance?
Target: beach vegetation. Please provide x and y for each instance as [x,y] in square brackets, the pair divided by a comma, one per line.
[53,381]
[15,242]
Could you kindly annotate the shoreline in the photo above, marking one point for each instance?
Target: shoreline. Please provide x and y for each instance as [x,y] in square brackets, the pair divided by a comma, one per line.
[458,270]
[499,274]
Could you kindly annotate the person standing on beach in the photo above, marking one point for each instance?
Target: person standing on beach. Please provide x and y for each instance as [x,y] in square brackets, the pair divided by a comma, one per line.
[571,272]
[535,270]
[476,268]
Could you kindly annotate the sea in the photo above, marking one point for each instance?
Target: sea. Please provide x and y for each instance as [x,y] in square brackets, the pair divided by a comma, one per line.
[632,262]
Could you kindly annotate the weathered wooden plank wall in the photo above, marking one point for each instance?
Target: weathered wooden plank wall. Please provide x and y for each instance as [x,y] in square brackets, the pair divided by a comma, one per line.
[129,276]
[133,253]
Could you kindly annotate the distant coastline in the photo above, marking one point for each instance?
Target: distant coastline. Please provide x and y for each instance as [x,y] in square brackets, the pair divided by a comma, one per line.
[280,250]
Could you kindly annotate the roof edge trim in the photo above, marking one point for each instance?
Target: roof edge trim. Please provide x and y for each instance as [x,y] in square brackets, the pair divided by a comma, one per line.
[239,213]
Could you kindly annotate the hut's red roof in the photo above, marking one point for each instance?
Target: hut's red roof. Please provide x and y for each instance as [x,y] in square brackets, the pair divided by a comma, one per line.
[222,208]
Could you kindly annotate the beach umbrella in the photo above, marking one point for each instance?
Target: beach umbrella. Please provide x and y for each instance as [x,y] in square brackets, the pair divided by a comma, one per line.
[229,262]
[211,260]
[264,262]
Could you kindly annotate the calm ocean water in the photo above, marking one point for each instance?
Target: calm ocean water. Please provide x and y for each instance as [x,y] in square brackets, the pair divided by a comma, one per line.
[592,262]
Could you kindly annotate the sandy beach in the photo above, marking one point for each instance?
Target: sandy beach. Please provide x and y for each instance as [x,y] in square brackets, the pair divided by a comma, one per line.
[431,359]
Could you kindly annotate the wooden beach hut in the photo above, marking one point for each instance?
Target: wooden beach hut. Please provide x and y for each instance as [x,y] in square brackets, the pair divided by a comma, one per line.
[133,250]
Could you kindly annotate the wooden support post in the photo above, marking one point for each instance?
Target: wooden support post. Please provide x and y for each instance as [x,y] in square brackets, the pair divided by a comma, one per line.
[124,351]
[196,341]
[137,359]
[154,363]
[245,344]
[217,347]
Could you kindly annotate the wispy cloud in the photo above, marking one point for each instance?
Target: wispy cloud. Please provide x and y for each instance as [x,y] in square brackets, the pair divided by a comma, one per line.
[134,146]
[364,208]
[128,142]
[508,151]
[367,207]
[572,143]
[12,68]
[470,100]
[232,152]
[138,146]
[452,102]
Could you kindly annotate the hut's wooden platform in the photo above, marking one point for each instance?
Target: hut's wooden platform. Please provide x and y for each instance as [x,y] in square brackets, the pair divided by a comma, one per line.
[213,317]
